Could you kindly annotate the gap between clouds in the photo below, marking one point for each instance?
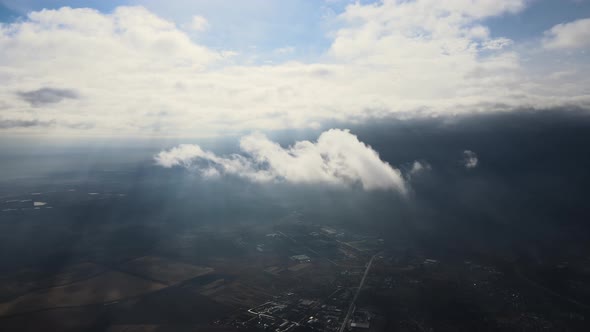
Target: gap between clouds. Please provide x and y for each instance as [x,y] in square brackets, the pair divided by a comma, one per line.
[337,158]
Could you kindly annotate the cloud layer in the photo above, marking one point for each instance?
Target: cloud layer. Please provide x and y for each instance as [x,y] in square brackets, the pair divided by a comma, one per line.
[337,158]
[140,74]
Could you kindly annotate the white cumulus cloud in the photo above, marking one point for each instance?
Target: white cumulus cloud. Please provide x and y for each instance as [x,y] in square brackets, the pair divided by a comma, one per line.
[569,35]
[337,158]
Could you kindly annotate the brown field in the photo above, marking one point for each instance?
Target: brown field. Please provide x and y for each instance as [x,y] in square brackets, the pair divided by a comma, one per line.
[27,280]
[240,266]
[77,272]
[106,287]
[212,287]
[164,270]
[239,294]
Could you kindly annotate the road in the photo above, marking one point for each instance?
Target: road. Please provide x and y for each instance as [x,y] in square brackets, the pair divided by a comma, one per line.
[358,291]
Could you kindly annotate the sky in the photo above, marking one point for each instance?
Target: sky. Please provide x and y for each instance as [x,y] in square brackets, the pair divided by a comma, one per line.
[146,68]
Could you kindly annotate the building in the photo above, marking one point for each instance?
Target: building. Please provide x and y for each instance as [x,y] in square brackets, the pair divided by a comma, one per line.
[301,258]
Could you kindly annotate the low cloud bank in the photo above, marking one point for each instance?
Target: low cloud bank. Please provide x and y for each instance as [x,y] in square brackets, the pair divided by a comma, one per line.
[337,158]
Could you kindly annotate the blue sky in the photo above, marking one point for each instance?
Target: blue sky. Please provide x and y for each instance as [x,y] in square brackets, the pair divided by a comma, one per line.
[538,17]
[247,26]
[207,68]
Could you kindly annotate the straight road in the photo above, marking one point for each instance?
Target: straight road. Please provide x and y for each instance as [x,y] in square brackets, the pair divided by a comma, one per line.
[358,291]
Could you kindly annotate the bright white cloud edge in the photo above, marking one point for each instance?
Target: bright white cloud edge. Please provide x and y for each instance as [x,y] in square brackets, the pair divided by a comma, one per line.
[571,35]
[337,158]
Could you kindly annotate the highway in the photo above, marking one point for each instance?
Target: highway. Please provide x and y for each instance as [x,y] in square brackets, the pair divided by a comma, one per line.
[358,291]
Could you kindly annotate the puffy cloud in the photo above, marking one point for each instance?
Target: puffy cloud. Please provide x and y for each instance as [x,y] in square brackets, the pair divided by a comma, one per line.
[470,159]
[570,35]
[337,158]
[427,52]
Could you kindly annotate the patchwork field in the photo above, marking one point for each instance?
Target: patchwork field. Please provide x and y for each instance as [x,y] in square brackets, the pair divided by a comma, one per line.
[298,267]
[106,287]
[164,270]
[27,280]
[240,294]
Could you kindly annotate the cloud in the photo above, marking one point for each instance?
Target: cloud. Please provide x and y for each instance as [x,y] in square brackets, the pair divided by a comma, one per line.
[569,35]
[418,168]
[199,23]
[406,58]
[284,50]
[44,96]
[6,124]
[337,158]
[470,159]
[497,44]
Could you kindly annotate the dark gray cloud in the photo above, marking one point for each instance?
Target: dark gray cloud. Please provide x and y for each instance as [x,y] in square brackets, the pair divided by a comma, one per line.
[18,123]
[45,96]
[6,124]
